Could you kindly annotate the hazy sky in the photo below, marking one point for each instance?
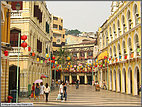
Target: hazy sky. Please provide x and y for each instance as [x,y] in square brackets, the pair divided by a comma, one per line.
[82,15]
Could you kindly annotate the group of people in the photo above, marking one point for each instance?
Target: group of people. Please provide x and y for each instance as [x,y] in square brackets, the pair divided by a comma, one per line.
[40,90]
[63,90]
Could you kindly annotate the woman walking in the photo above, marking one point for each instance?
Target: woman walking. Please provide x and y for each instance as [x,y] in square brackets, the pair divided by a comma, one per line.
[41,90]
[37,91]
[47,91]
[65,91]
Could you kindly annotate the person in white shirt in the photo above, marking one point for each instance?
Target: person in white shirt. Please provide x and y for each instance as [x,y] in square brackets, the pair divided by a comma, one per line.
[42,90]
[47,91]
[61,90]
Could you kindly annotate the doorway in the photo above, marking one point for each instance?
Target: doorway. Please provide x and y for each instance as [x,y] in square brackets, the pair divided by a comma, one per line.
[89,79]
[81,79]
[13,79]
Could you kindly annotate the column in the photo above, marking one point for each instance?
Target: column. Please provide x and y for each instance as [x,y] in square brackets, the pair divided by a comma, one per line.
[78,77]
[85,54]
[100,78]
[85,79]
[70,78]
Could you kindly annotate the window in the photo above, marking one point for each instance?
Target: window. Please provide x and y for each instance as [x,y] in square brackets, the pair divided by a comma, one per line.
[110,52]
[114,29]
[14,38]
[82,54]
[136,44]
[107,39]
[136,15]
[118,25]
[75,54]
[114,51]
[37,13]
[103,41]
[110,33]
[61,21]
[123,23]
[39,46]
[55,26]
[129,46]
[60,27]
[129,21]
[123,47]
[55,18]
[63,36]
[119,52]
[90,53]
[47,27]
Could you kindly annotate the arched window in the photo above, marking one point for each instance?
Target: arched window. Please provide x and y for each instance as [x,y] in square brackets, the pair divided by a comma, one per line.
[114,51]
[129,47]
[110,33]
[114,31]
[136,45]
[103,41]
[118,26]
[123,23]
[119,52]
[107,38]
[135,14]
[129,21]
[123,49]
[110,53]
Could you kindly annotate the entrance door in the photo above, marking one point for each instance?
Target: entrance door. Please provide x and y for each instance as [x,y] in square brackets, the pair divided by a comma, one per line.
[13,79]
[81,79]
[74,78]
[58,75]
[67,78]
[89,79]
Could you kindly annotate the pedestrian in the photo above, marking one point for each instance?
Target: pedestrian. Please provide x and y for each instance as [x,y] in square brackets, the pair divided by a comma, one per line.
[65,91]
[33,91]
[77,84]
[42,90]
[37,91]
[61,91]
[47,91]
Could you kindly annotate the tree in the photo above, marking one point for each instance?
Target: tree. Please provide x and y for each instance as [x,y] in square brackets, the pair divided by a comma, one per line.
[73,32]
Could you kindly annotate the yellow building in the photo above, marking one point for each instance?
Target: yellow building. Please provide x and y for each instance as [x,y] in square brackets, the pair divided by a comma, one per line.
[120,38]
[33,20]
[58,33]
[5,46]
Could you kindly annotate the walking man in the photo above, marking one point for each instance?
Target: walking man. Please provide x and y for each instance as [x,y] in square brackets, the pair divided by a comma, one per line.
[61,91]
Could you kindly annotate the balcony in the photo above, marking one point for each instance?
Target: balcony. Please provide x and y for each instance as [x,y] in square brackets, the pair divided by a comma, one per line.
[15,14]
[14,52]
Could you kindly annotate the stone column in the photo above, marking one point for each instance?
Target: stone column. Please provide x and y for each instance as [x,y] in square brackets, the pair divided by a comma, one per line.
[100,78]
[70,78]
[86,79]
[78,77]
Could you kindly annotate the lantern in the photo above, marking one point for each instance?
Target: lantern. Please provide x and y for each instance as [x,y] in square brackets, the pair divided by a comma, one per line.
[109,58]
[68,58]
[71,66]
[53,66]
[45,61]
[69,63]
[67,66]
[138,49]
[105,57]
[103,64]
[49,59]
[119,57]
[41,61]
[100,65]
[125,57]
[24,44]
[33,54]
[37,59]
[53,61]
[94,64]
[89,63]
[96,60]
[116,59]
[47,55]
[57,70]
[53,57]
[24,37]
[56,62]
[107,61]
[132,55]
[6,53]
[29,48]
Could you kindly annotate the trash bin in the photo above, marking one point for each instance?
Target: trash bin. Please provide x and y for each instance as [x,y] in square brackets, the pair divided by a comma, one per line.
[13,94]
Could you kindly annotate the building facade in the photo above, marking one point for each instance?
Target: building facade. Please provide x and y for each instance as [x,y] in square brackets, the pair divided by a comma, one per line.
[81,54]
[58,33]
[33,20]
[5,47]
[119,39]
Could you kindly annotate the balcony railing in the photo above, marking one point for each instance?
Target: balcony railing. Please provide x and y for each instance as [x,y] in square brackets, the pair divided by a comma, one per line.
[15,51]
[15,14]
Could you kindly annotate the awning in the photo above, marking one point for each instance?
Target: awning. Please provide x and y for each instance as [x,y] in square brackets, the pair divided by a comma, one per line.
[101,56]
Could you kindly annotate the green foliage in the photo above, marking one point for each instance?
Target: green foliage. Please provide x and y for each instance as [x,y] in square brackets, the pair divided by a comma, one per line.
[72,32]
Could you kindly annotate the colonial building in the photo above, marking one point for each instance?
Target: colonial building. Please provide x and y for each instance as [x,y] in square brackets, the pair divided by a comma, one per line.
[119,42]
[81,54]
[33,20]
[58,33]
[5,48]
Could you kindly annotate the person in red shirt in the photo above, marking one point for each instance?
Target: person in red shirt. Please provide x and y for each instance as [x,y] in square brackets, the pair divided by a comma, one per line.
[33,89]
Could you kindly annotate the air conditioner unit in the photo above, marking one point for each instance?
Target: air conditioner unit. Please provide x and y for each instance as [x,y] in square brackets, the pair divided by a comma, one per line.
[129,20]
[118,28]
[137,14]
